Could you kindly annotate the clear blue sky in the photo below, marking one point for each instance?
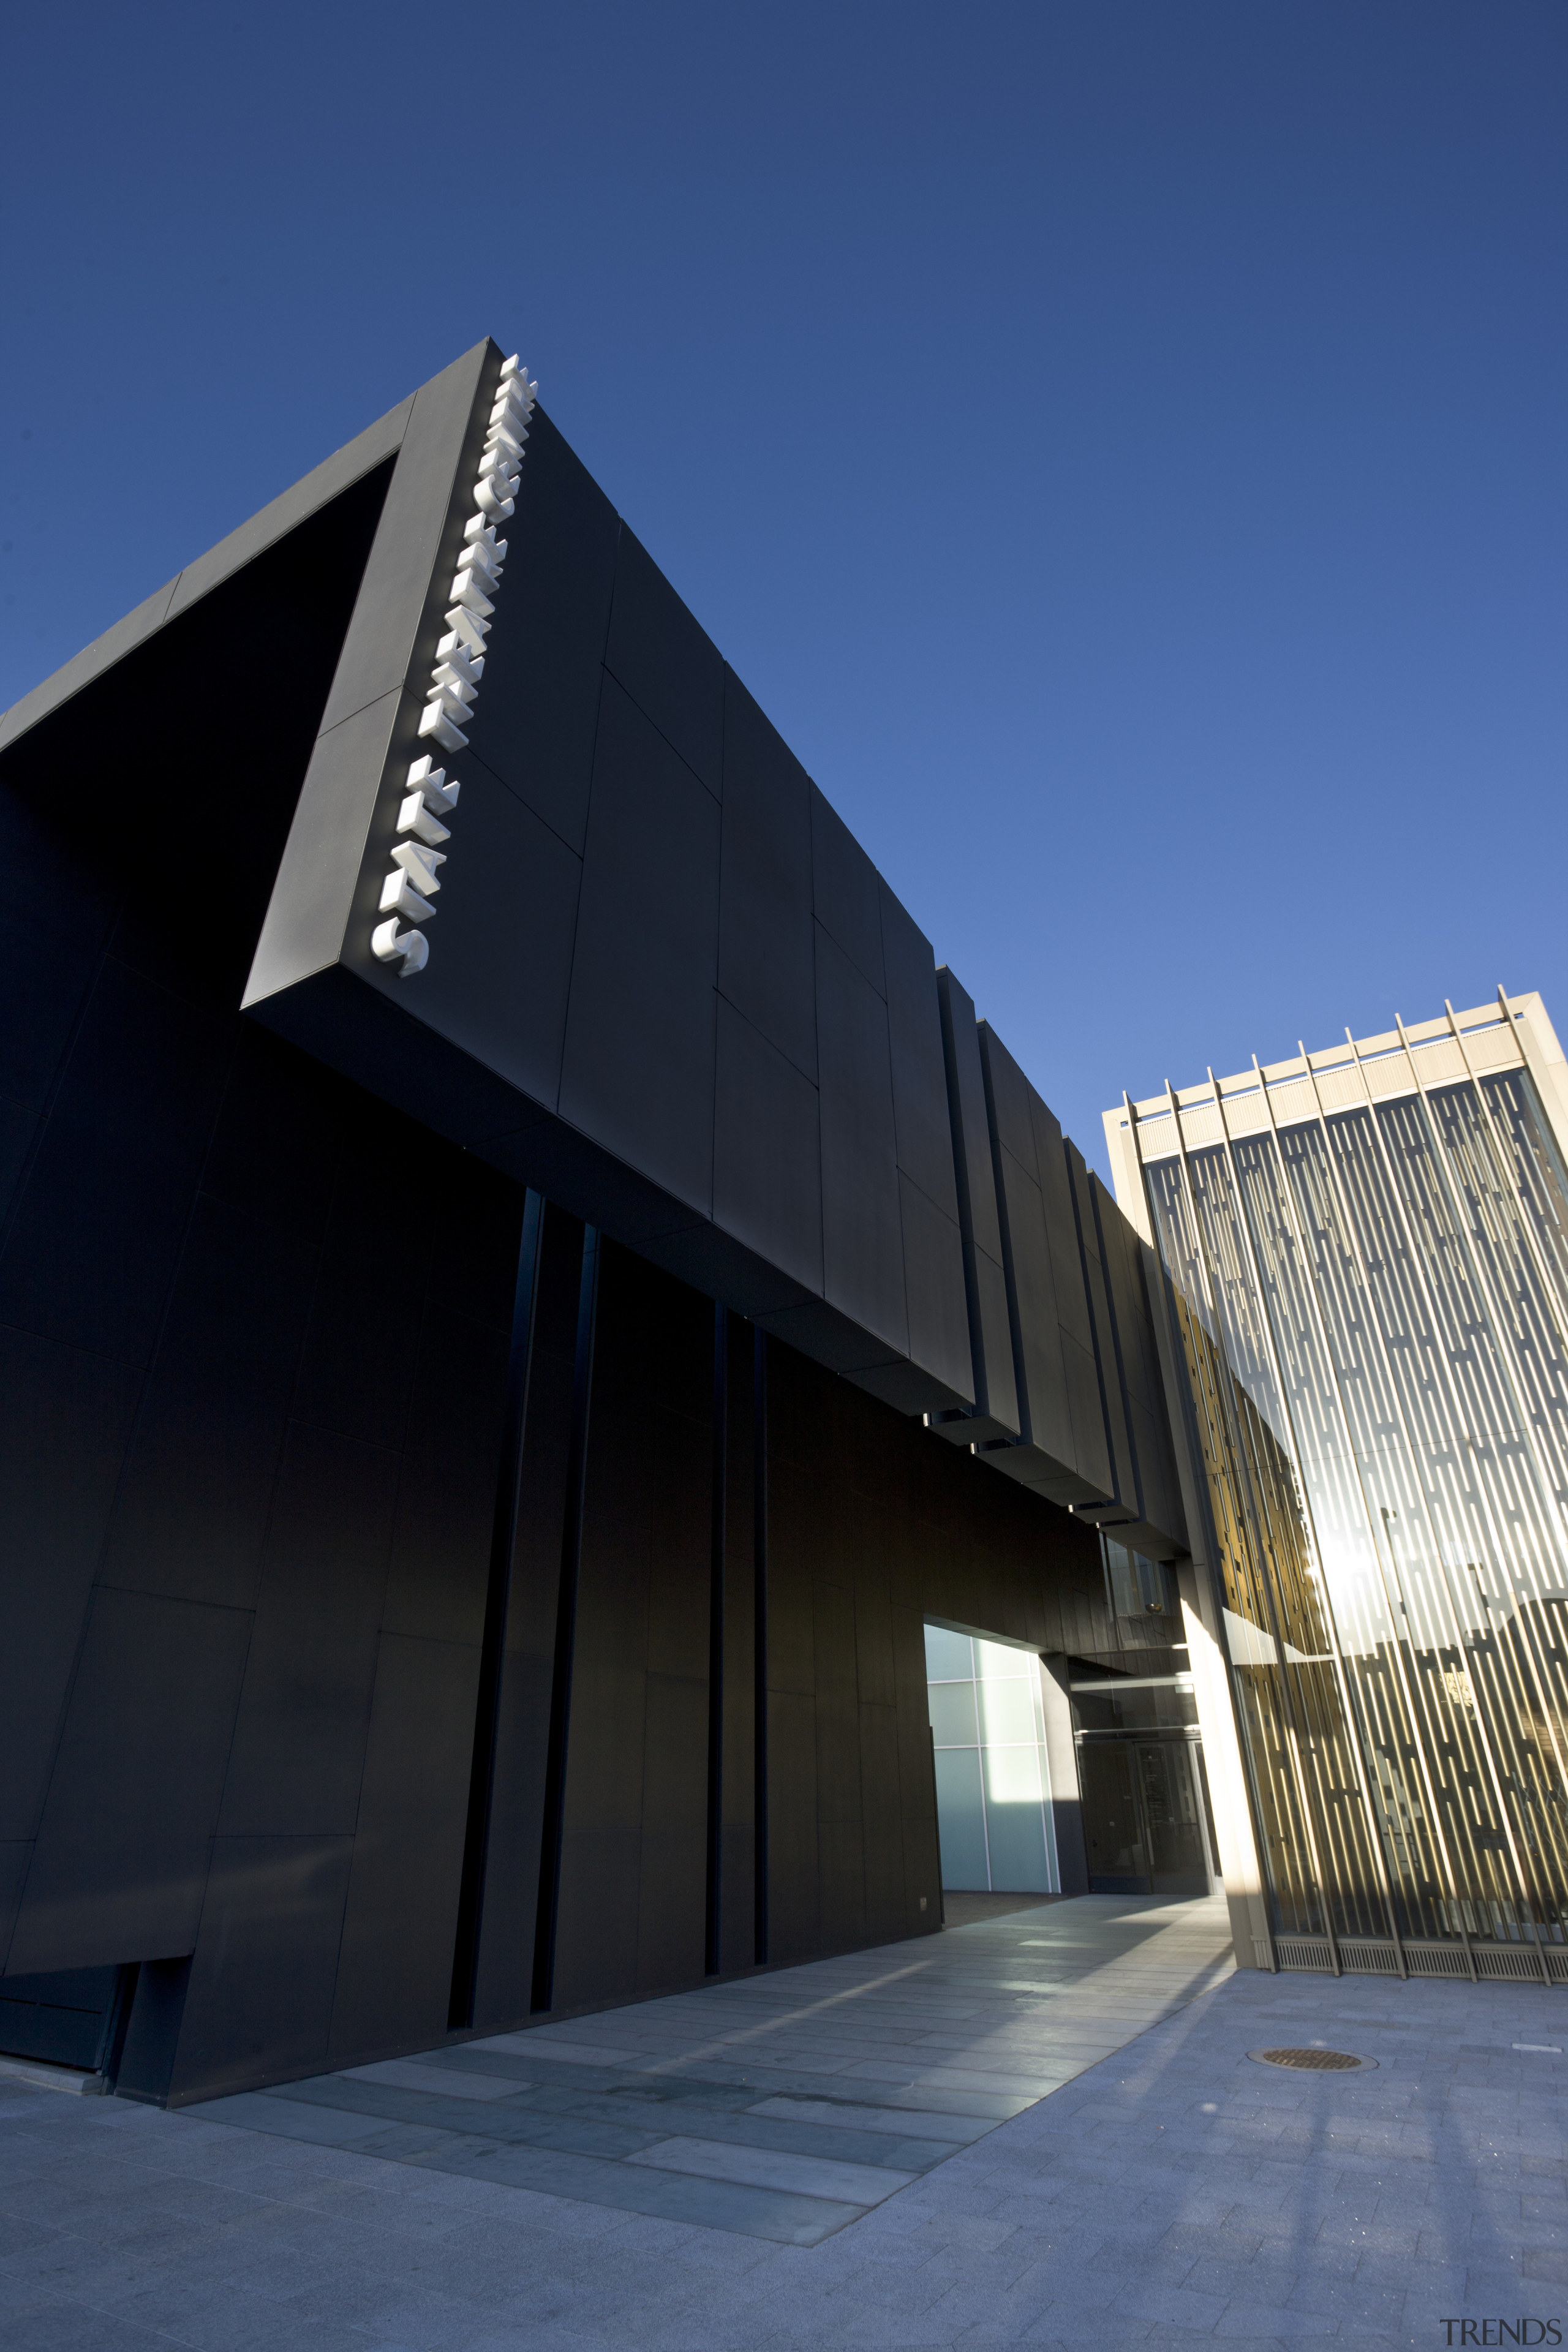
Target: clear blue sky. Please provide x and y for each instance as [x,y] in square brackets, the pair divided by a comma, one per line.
[1121,445]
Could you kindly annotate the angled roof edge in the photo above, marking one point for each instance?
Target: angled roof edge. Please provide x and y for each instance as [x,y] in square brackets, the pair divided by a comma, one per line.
[272,522]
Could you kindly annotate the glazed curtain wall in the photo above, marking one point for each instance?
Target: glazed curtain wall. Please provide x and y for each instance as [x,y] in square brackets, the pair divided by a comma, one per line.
[993,1781]
[1372,1308]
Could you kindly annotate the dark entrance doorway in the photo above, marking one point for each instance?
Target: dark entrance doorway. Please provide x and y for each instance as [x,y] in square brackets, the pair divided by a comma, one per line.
[1147,1825]
[1143,1817]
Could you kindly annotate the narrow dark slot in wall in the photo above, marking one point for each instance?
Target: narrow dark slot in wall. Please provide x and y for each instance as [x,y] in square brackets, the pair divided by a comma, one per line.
[1005,1229]
[567,1628]
[492,1654]
[1121,1366]
[713,1937]
[1100,1342]
[960,1178]
[759,1645]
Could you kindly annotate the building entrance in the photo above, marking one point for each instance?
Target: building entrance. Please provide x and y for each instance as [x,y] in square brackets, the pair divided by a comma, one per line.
[1147,1825]
[1143,1817]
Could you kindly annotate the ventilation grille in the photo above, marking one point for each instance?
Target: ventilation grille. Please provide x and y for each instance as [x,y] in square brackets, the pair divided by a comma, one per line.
[1365,1956]
[1502,1960]
[1436,1960]
[1369,1959]
[1304,1952]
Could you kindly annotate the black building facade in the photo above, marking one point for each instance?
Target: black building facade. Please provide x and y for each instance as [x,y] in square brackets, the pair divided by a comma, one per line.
[482,1444]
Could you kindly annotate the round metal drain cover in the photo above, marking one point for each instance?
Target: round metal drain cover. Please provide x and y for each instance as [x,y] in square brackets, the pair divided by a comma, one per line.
[1315,2062]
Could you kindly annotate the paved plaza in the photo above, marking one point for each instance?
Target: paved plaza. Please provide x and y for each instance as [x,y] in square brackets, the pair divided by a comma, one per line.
[1042,2126]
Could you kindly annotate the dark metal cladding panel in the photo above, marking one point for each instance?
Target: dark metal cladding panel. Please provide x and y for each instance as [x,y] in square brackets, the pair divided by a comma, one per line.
[299,1739]
[795,1895]
[833,1339]
[197,1492]
[971,1128]
[1092,1452]
[1044,1417]
[601,1862]
[920,1071]
[721,1266]
[59,912]
[1000,1405]
[357,1365]
[1163,1489]
[767,1152]
[1161,1503]
[439,1562]
[637,1075]
[1147,1418]
[121,1862]
[99,1220]
[16,1853]
[395,1973]
[862,1236]
[933,1288]
[1124,1469]
[71,1412]
[632,1860]
[994,1385]
[1058,1410]
[1043,1401]
[534,722]
[323,874]
[502,947]
[1007,1101]
[1098,1201]
[323,900]
[261,1996]
[933,1242]
[1141,1354]
[666,663]
[397,619]
[765,954]
[1061,1225]
[672,1846]
[882,1820]
[847,891]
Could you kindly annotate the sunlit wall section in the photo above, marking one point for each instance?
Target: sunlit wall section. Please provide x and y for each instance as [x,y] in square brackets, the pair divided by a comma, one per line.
[1368,1260]
[1302,1759]
[992,1786]
[1338,1409]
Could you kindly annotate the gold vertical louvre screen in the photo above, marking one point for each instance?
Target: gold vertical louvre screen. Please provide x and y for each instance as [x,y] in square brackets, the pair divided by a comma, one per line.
[1371,1303]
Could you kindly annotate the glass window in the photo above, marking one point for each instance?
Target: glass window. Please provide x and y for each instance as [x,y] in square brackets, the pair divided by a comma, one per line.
[952,1719]
[950,1657]
[988,1727]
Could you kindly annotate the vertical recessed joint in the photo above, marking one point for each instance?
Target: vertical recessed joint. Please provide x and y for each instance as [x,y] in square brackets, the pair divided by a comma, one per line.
[566,1626]
[492,1649]
[760,1646]
[713,1938]
[978,1376]
[1005,1227]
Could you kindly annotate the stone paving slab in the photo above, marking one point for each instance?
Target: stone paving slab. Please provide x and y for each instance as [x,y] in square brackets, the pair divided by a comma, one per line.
[692,2084]
[1175,2192]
